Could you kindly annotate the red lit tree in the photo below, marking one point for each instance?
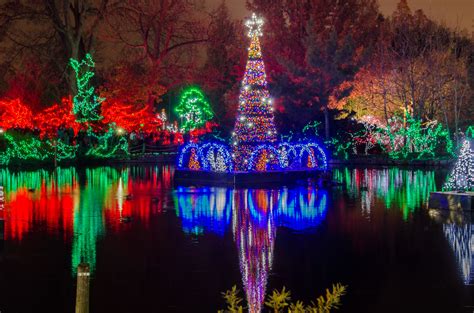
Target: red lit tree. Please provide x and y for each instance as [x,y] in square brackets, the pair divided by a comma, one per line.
[15,114]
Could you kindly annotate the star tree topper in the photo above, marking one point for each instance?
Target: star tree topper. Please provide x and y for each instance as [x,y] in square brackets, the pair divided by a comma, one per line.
[254,24]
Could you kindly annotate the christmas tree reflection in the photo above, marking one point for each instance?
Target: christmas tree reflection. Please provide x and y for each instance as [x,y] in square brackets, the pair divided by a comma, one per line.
[461,238]
[256,214]
[254,233]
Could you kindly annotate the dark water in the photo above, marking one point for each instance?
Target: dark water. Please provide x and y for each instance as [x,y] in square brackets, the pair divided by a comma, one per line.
[166,248]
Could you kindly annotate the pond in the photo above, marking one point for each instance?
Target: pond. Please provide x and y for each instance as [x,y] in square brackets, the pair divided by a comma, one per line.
[156,247]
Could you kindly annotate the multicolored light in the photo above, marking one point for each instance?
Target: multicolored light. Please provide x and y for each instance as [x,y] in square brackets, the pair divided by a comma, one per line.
[254,143]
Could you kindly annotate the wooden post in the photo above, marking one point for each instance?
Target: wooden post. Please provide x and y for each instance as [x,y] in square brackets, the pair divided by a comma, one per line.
[82,292]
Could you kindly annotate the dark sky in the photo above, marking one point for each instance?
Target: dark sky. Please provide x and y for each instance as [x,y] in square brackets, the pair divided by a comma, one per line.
[452,12]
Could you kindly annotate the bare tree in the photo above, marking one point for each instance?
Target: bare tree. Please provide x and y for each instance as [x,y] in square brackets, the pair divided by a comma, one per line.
[51,29]
[161,34]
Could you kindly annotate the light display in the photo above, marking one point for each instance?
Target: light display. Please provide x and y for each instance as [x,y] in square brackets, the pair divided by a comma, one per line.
[405,190]
[255,121]
[77,204]
[131,117]
[256,214]
[107,145]
[193,108]
[462,176]
[30,148]
[461,239]
[254,146]
[86,102]
[470,132]
[193,163]
[408,137]
[255,240]
[204,209]
[60,115]
[15,114]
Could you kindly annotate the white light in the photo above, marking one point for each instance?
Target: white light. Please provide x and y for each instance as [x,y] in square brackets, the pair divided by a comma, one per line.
[235,143]
[1,131]
[242,118]
[247,87]
[254,24]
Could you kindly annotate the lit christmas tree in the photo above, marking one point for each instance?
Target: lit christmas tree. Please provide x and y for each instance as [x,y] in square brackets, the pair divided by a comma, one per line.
[194,109]
[193,161]
[86,103]
[462,176]
[255,121]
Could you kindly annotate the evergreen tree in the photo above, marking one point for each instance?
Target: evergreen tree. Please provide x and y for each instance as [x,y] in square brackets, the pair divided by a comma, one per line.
[462,176]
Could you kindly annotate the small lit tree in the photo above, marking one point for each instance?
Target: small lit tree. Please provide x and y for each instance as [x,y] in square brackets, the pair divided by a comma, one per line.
[462,176]
[194,109]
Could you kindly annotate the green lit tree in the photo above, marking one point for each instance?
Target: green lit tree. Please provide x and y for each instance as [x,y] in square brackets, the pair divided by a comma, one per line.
[86,103]
[193,109]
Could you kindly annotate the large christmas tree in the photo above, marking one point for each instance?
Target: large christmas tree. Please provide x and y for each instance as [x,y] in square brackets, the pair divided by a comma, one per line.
[255,121]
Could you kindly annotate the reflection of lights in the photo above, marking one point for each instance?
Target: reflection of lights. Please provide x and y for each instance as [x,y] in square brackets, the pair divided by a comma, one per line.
[255,215]
[203,209]
[461,239]
[406,188]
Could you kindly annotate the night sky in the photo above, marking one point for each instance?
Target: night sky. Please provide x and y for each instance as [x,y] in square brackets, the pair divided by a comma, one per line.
[453,12]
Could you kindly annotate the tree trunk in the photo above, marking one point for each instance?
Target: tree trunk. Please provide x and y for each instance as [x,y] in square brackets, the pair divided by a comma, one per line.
[326,122]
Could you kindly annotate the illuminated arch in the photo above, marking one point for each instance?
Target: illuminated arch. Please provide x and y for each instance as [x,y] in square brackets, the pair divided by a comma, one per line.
[270,148]
[185,150]
[319,154]
[209,151]
[287,153]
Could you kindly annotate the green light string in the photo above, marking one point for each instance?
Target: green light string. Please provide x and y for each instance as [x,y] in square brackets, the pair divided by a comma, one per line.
[86,103]
[194,109]
[28,148]
[417,140]
[108,145]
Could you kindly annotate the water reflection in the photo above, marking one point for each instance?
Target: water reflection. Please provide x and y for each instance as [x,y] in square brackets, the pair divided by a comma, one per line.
[78,204]
[204,209]
[408,189]
[256,213]
[254,234]
[458,229]
[86,209]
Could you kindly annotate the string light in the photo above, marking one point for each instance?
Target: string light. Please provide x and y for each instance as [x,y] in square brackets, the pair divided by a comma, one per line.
[194,108]
[254,145]
[86,102]
[462,176]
